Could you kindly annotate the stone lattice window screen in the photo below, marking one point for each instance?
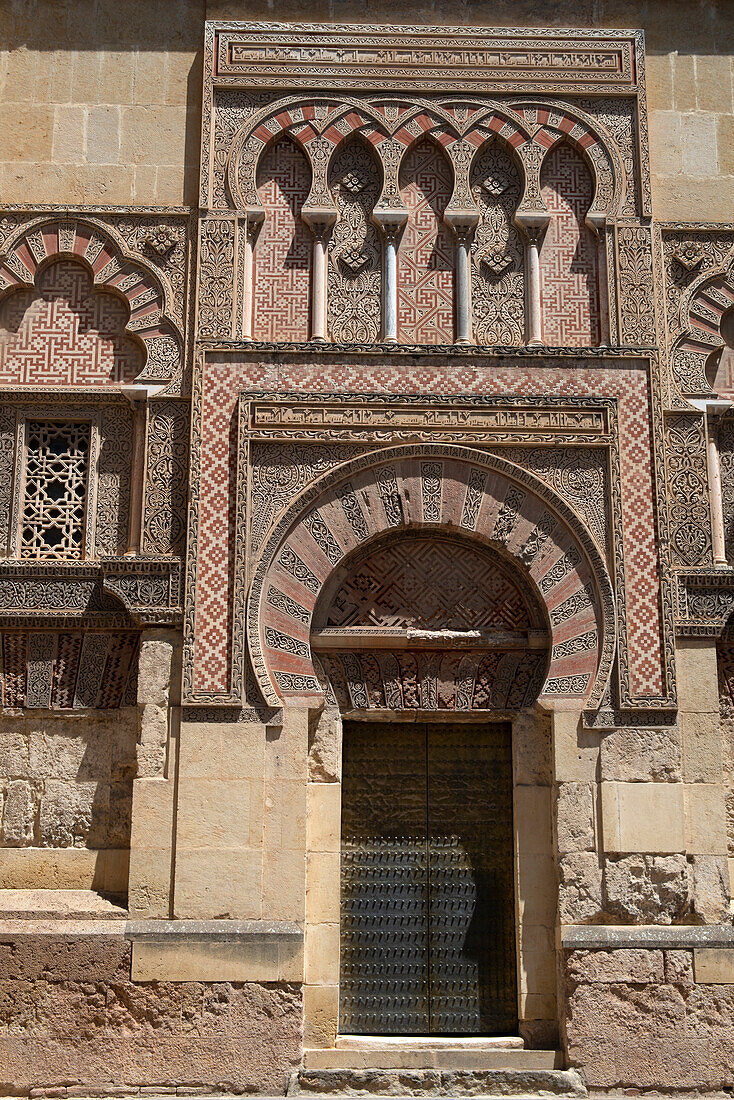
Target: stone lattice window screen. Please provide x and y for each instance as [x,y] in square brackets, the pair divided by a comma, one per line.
[55,489]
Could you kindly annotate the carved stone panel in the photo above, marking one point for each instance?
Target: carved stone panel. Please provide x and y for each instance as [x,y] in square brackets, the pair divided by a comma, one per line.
[166,495]
[498,282]
[355,252]
[690,525]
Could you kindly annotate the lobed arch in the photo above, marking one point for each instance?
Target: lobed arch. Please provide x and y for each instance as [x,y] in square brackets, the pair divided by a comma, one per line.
[112,267]
[552,122]
[393,124]
[447,489]
[703,306]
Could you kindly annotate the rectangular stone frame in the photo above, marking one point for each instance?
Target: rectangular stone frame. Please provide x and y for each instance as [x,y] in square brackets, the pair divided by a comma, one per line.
[80,413]
[571,57]
[535,886]
[239,508]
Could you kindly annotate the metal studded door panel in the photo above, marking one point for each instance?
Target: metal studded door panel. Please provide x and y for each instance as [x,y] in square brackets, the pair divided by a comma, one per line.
[471,918]
[428,937]
[383,987]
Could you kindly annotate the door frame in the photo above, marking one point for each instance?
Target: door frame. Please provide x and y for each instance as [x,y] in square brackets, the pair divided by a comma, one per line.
[534,866]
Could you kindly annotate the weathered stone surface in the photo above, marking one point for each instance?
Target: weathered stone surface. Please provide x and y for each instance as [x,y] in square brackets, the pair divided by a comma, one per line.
[431,1082]
[580,888]
[98,958]
[658,1036]
[151,750]
[575,817]
[68,779]
[71,748]
[19,811]
[531,737]
[154,669]
[14,762]
[638,966]
[234,1038]
[679,967]
[74,814]
[641,755]
[324,746]
[646,889]
[709,887]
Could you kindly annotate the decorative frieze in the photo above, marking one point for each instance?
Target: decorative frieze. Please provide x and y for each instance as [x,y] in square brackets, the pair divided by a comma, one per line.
[344,56]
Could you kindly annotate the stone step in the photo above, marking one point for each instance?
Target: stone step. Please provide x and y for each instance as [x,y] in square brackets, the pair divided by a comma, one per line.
[444,1057]
[422,1042]
[437,1082]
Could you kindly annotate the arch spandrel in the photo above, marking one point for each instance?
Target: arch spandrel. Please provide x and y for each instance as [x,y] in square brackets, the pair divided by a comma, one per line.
[446,489]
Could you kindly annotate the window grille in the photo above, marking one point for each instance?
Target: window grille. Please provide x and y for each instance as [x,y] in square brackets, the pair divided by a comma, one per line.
[57,467]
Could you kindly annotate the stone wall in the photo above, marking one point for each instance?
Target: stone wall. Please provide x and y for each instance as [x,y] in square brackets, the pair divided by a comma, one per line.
[66,788]
[69,1014]
[102,102]
[638,1018]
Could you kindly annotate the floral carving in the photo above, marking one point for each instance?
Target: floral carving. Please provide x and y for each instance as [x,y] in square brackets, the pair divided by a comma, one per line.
[497,251]
[690,532]
[216,279]
[636,291]
[166,483]
[355,256]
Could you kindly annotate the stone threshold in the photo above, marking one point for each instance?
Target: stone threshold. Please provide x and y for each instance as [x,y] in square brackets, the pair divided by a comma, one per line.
[608,937]
[476,1082]
[429,1042]
[424,1059]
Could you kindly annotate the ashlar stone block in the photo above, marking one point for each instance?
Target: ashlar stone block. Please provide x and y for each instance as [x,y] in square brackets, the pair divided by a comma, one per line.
[19,811]
[642,817]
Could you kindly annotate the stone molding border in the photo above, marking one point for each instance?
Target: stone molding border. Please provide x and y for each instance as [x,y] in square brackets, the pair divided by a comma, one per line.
[283,663]
[601,937]
[364,62]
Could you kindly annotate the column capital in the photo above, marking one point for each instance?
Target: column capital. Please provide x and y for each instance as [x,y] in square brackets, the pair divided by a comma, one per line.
[319,219]
[463,222]
[533,223]
[390,219]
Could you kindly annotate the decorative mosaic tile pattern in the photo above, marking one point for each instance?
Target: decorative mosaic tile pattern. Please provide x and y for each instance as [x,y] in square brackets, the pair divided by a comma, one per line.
[224,380]
[426,256]
[66,333]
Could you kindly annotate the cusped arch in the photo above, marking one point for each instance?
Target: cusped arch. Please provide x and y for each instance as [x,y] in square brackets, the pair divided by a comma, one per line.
[707,300]
[554,122]
[112,267]
[319,125]
[443,488]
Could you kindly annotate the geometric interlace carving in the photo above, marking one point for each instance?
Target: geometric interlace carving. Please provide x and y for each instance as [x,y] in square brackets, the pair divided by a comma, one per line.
[431,584]
[57,462]
[568,263]
[66,332]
